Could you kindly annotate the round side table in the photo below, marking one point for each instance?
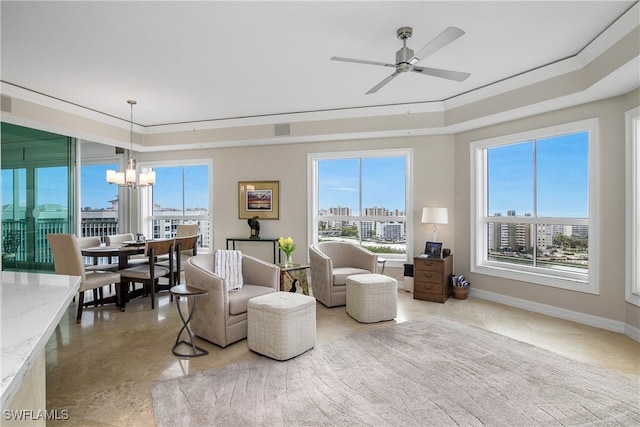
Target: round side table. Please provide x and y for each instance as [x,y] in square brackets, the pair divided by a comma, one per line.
[187,292]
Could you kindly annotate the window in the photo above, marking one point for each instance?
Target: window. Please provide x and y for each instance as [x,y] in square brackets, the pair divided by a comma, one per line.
[632,288]
[99,200]
[361,197]
[181,195]
[531,201]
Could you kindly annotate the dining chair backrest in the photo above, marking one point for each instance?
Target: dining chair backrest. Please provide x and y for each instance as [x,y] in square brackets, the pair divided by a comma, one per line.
[184,244]
[118,239]
[89,242]
[158,247]
[185,230]
[67,256]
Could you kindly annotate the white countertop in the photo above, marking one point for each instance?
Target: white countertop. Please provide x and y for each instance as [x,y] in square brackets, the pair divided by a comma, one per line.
[32,305]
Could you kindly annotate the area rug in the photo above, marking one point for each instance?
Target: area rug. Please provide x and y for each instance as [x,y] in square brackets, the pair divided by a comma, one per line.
[434,371]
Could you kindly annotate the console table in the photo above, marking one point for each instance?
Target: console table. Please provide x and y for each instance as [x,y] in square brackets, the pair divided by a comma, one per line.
[233,240]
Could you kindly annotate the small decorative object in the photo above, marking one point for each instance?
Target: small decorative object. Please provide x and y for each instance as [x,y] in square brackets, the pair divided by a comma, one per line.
[255,227]
[139,237]
[287,246]
[433,249]
[460,287]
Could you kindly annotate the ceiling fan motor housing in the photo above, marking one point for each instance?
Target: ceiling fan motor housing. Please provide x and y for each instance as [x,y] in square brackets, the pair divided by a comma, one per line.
[402,59]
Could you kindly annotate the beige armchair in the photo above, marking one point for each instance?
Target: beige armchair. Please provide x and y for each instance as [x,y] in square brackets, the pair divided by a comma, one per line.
[332,263]
[221,316]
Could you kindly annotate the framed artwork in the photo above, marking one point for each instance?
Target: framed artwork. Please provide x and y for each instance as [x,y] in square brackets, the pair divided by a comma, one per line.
[433,249]
[259,199]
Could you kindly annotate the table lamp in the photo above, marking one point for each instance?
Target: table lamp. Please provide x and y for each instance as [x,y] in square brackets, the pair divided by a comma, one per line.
[435,216]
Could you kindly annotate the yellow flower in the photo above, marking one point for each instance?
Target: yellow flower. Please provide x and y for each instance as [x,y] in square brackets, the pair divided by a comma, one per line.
[286,245]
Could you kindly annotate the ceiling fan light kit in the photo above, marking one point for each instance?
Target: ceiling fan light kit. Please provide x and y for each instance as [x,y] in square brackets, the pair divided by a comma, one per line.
[406,58]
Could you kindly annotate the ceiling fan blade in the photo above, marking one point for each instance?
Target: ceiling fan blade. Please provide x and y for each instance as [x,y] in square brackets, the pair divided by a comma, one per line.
[382,83]
[458,76]
[361,61]
[443,39]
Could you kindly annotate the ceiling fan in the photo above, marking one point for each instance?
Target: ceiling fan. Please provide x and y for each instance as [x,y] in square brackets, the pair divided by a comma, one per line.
[406,59]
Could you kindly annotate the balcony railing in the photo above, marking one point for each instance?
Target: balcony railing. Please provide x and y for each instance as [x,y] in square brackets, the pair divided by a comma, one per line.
[89,228]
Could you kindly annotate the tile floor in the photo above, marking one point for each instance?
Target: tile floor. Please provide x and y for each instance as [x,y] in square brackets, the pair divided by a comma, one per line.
[102,370]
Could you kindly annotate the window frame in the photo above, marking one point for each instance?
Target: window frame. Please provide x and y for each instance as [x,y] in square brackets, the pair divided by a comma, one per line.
[479,219]
[312,190]
[145,220]
[632,270]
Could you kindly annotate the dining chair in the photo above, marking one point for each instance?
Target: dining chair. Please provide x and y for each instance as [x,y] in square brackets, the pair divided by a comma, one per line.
[10,245]
[67,260]
[119,240]
[149,272]
[185,230]
[183,248]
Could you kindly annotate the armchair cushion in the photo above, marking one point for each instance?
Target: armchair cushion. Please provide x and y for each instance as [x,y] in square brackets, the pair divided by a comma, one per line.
[229,267]
[340,274]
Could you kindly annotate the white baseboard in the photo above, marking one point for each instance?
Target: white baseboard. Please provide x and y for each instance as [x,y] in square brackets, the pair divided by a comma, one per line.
[561,313]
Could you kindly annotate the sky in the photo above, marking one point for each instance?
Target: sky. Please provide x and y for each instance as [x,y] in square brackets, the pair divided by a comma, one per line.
[561,177]
[383,183]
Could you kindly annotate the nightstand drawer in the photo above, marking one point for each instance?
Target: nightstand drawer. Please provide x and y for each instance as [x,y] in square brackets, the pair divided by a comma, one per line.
[428,276]
[428,264]
[427,287]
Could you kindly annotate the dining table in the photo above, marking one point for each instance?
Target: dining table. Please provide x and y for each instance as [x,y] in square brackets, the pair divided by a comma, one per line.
[123,253]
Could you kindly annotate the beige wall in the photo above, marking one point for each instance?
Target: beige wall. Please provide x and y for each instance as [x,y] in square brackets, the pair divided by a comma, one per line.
[433,163]
[610,303]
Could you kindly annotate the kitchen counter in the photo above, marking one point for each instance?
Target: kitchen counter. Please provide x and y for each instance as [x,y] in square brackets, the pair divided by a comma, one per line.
[32,305]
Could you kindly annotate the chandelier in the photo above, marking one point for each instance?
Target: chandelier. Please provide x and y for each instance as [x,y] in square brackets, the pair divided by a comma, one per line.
[130,177]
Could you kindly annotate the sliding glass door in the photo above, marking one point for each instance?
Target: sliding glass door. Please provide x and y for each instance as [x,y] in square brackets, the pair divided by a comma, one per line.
[38,171]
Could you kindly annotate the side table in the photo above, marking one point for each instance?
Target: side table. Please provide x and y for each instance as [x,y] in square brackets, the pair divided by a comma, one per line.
[187,292]
[431,278]
[293,278]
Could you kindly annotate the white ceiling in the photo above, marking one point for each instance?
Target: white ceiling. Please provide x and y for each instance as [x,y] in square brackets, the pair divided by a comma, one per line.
[199,61]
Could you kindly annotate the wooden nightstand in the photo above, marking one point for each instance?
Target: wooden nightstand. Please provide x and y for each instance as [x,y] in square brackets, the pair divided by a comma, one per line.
[431,278]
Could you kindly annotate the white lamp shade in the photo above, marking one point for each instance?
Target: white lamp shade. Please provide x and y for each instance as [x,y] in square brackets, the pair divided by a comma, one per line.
[435,216]
[111,176]
[120,178]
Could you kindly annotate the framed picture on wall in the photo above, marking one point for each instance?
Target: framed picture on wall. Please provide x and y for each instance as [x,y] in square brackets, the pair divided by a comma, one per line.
[259,199]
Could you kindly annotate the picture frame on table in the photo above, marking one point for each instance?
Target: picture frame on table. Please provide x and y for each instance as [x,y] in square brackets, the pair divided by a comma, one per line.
[433,249]
[259,199]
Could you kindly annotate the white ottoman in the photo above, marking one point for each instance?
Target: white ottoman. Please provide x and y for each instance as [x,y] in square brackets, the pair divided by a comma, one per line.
[281,325]
[372,297]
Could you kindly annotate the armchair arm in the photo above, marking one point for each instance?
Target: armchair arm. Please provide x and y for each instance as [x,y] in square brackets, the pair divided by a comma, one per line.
[198,272]
[261,273]
[364,258]
[321,274]
[210,319]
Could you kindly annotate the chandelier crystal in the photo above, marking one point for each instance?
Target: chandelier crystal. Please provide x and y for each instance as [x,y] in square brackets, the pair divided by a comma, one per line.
[130,177]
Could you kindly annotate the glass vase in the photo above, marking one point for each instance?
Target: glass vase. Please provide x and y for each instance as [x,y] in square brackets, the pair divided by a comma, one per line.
[288,262]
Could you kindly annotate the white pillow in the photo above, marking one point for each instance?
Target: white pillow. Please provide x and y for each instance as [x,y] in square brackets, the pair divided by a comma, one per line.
[228,265]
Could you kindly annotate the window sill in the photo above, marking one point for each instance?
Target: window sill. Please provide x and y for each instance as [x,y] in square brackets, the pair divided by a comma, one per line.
[538,278]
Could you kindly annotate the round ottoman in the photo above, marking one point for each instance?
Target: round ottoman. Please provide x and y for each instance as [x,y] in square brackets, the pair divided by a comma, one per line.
[372,297]
[281,325]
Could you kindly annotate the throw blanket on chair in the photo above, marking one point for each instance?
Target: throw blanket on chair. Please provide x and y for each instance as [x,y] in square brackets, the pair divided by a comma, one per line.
[228,265]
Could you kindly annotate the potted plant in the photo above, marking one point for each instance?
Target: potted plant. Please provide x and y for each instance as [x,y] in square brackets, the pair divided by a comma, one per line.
[460,287]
